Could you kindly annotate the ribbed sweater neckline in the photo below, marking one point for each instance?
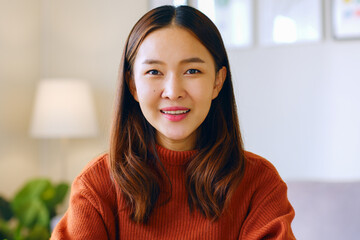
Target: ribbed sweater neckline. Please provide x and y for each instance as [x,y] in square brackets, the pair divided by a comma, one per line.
[171,157]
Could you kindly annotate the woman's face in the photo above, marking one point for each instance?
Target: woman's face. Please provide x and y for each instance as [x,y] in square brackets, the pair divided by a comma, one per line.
[174,80]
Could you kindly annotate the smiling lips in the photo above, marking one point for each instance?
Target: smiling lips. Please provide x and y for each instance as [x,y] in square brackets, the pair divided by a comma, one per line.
[175,114]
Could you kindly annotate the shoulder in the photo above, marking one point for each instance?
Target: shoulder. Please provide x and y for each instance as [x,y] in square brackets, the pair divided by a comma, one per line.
[92,206]
[260,178]
[98,165]
[257,167]
[95,180]
[263,195]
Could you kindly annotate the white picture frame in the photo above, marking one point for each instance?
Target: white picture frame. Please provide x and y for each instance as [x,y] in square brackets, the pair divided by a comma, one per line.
[346,19]
[158,3]
[289,21]
[233,18]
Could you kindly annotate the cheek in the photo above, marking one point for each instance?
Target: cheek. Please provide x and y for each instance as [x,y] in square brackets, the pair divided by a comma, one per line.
[203,100]
[202,91]
[145,96]
[144,90]
[202,95]
[148,98]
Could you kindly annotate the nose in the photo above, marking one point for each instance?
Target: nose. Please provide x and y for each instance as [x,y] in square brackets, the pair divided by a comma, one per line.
[173,88]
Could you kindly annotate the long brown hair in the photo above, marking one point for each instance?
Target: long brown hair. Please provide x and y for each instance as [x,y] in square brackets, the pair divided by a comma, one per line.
[215,171]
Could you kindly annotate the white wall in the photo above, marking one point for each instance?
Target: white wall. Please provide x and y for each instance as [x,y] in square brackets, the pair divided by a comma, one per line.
[84,39]
[38,39]
[299,105]
[19,70]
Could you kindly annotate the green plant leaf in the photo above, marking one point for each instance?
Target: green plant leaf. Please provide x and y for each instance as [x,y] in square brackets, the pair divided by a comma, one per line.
[43,216]
[38,233]
[27,204]
[52,198]
[32,190]
[57,196]
[34,205]
[60,192]
[6,212]
[5,230]
[33,212]
[48,193]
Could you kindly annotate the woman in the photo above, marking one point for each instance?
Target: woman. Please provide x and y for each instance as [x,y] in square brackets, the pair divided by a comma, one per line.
[176,168]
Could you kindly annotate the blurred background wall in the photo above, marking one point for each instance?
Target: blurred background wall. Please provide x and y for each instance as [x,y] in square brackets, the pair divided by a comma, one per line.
[19,72]
[298,104]
[44,39]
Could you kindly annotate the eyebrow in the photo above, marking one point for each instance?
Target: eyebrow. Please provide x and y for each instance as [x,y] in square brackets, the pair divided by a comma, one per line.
[187,60]
[192,60]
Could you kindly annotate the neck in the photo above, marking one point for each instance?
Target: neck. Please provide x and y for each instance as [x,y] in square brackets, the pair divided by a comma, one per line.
[177,145]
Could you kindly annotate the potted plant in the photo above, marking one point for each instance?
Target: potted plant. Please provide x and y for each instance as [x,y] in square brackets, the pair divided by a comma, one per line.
[27,216]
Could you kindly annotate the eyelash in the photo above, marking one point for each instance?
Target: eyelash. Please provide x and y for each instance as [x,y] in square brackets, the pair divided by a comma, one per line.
[151,72]
[192,70]
[189,71]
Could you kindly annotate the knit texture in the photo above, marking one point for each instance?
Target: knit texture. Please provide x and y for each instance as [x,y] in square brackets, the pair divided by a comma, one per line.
[259,208]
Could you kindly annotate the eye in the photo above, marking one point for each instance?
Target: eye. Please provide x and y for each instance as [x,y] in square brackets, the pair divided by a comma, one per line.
[192,71]
[153,72]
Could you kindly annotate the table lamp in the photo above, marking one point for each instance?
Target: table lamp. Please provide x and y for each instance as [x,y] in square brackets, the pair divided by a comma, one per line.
[63,109]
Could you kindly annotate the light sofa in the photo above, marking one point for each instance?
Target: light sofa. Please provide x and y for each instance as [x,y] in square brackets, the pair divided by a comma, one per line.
[325,210]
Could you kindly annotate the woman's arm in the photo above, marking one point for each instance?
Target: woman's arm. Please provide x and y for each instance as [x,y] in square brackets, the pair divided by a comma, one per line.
[84,217]
[270,217]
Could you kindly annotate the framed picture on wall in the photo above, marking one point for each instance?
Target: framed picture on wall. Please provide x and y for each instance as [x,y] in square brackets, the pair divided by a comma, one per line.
[288,22]
[156,3]
[233,18]
[346,19]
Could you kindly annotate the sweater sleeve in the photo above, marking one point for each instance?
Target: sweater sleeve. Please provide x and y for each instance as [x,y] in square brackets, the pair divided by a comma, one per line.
[83,219]
[270,217]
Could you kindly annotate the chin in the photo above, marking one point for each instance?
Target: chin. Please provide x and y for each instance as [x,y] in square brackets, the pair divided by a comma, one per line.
[176,136]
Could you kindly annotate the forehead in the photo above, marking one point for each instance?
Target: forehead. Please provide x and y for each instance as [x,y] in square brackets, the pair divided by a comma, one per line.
[172,42]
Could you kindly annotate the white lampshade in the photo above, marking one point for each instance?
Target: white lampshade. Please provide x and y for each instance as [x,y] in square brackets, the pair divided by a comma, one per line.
[63,109]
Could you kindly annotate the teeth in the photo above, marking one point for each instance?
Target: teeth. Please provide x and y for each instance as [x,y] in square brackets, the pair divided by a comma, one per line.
[175,112]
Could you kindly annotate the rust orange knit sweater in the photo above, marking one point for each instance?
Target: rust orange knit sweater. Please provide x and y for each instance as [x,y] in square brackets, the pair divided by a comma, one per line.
[259,209]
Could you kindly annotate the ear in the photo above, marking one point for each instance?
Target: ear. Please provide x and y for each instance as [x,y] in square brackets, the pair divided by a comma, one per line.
[132,86]
[219,81]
